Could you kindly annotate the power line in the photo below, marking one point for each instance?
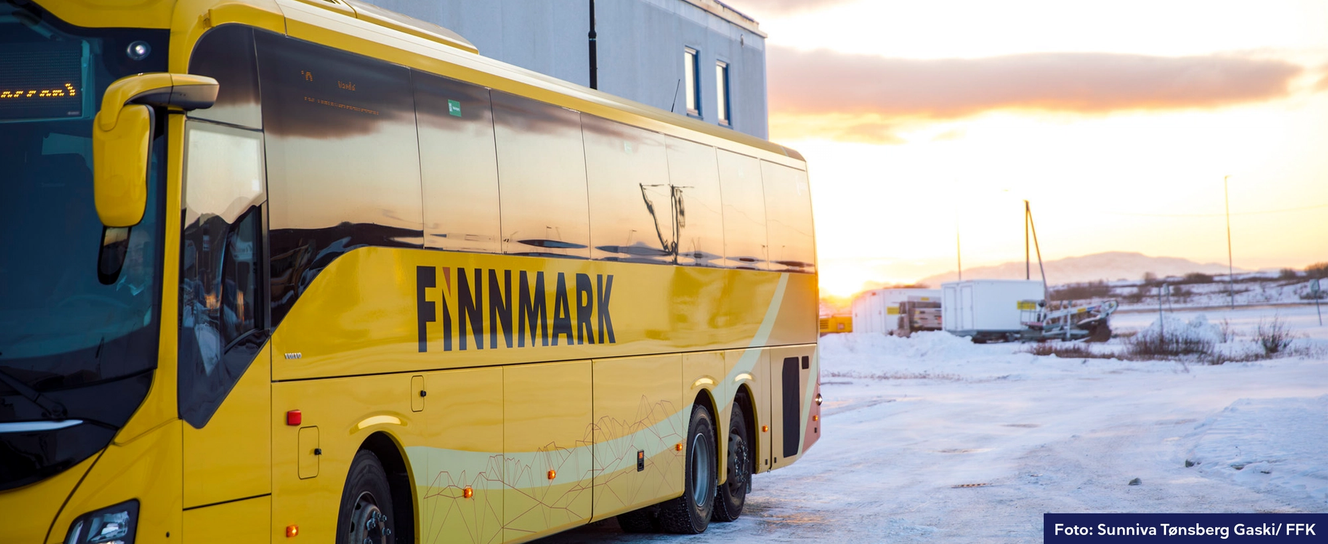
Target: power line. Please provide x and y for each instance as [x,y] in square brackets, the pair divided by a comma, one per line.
[1264,212]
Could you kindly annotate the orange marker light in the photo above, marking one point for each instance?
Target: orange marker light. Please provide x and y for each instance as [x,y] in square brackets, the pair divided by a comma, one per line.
[467,492]
[765,428]
[678,446]
[552,474]
[816,417]
[292,531]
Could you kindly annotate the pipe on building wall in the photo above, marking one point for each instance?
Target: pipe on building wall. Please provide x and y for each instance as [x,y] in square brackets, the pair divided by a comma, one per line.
[594,61]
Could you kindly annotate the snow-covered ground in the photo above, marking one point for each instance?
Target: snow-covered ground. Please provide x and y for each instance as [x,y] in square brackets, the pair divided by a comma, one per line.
[1249,290]
[1304,319]
[934,439]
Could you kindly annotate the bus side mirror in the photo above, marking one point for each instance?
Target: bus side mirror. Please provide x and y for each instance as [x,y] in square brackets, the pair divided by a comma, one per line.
[120,171]
[122,133]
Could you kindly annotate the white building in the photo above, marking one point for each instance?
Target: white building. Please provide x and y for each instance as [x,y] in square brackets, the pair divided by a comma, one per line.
[989,309]
[670,54]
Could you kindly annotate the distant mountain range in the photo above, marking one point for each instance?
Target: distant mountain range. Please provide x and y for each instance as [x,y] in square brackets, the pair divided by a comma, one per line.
[1110,266]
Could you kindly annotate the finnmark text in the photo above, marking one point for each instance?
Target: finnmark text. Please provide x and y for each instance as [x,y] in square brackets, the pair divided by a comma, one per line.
[507,308]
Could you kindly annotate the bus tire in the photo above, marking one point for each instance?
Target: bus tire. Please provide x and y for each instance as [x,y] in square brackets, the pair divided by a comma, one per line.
[690,513]
[366,504]
[732,494]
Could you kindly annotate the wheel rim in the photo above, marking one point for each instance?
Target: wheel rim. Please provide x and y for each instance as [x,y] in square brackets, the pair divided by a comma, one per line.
[737,481]
[702,486]
[368,524]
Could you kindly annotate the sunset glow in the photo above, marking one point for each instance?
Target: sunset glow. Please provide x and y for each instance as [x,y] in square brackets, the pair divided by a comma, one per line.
[1118,121]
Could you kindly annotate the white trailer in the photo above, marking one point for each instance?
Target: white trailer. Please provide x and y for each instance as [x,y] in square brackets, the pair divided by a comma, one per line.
[987,309]
[878,310]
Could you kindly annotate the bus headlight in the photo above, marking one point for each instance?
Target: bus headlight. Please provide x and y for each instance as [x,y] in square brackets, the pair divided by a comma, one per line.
[110,525]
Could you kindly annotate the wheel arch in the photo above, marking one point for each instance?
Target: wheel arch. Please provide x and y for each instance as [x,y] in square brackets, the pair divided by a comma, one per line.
[744,399]
[706,398]
[399,479]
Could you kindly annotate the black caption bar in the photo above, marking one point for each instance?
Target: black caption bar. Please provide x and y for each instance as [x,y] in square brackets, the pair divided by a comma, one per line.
[1132,528]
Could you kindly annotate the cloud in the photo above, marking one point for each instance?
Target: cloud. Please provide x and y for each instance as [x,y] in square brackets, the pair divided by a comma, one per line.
[949,135]
[825,82]
[870,129]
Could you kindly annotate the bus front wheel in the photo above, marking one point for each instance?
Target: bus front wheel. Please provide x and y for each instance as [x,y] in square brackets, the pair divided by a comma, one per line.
[690,513]
[365,516]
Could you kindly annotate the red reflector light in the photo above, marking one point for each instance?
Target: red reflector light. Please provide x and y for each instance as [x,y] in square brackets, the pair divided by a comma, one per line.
[294,417]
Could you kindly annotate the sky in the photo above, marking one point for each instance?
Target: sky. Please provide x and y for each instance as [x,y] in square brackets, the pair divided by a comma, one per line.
[927,124]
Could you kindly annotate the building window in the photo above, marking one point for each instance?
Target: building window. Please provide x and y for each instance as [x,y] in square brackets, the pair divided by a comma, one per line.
[722,89]
[692,81]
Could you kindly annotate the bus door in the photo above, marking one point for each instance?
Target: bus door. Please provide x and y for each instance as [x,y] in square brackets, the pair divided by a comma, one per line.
[790,370]
[224,360]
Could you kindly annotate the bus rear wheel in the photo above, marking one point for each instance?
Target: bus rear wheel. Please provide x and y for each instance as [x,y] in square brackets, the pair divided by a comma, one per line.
[365,516]
[732,494]
[690,513]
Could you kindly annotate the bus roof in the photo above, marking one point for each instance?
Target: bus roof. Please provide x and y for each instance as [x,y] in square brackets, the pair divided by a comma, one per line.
[369,30]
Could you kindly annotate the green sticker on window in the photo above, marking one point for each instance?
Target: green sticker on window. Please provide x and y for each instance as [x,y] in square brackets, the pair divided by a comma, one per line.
[454,108]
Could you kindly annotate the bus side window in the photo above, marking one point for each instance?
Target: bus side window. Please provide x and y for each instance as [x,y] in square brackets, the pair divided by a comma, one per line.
[631,200]
[694,175]
[226,53]
[744,211]
[458,165]
[788,205]
[541,178]
[222,310]
[343,159]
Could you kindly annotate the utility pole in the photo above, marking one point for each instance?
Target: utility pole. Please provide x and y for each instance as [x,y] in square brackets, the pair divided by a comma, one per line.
[959,258]
[594,60]
[1231,269]
[959,253]
[1028,270]
[1046,291]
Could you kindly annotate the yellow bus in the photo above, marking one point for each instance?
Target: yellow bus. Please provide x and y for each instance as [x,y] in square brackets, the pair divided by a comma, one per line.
[308,270]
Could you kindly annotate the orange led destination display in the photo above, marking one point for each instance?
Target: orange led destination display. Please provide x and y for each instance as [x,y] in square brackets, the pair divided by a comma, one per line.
[41,81]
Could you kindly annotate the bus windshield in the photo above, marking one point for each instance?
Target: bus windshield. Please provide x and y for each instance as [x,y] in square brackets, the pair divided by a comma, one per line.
[72,315]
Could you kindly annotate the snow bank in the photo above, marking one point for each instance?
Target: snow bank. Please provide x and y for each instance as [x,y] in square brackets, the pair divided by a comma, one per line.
[931,344]
[1271,445]
[1174,329]
[941,355]
[879,356]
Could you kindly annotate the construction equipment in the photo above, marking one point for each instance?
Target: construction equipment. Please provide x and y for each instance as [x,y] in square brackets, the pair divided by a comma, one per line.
[836,324]
[1059,320]
[1065,320]
[881,310]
